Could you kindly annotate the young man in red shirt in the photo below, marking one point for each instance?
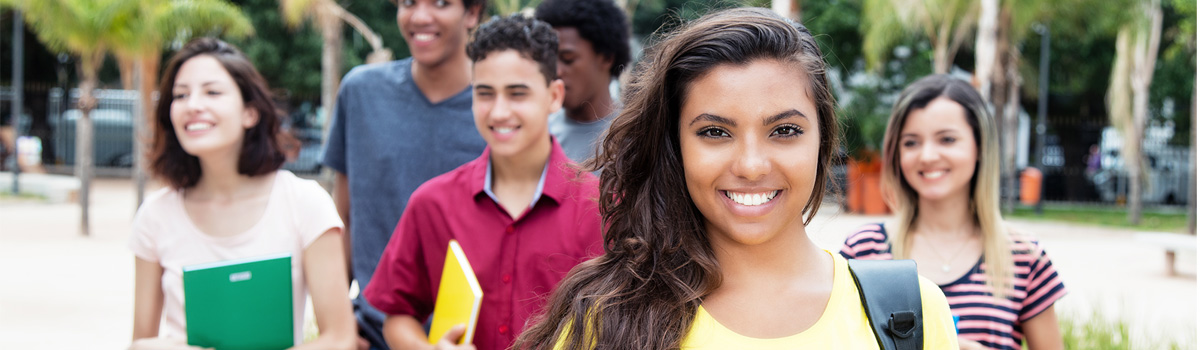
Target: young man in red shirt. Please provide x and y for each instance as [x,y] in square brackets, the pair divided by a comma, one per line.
[523,215]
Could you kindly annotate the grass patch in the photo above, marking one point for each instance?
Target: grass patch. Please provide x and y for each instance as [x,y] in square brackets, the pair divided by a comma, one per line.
[1152,220]
[1094,333]
[1098,333]
[8,195]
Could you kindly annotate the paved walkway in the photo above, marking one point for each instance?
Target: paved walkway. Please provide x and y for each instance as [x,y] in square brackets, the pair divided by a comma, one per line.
[61,290]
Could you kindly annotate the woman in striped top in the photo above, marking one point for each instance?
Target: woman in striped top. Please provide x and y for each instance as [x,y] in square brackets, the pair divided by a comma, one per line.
[941,178]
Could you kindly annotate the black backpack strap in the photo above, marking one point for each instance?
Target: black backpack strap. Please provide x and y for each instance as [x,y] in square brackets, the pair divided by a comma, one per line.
[891,297]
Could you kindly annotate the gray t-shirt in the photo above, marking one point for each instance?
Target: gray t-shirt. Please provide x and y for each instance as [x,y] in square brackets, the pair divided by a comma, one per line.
[389,139]
[579,140]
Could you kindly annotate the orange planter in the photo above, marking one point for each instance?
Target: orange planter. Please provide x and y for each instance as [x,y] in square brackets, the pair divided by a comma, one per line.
[864,188]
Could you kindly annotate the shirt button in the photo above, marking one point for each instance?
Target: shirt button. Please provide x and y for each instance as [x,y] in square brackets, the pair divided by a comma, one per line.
[509,229]
[506,278]
[503,329]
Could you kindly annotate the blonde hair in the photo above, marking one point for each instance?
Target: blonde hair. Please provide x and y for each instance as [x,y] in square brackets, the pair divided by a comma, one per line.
[985,183]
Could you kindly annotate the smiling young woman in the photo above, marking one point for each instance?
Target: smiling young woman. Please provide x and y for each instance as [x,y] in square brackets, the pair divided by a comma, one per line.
[941,168]
[709,176]
[216,150]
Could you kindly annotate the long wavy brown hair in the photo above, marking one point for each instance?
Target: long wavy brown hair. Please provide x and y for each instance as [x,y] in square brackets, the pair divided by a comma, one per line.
[658,265]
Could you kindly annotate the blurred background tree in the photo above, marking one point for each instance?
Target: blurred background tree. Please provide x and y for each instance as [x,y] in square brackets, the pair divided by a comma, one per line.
[866,73]
[134,30]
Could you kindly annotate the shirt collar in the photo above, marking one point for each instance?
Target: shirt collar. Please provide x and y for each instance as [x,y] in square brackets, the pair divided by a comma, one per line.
[487,184]
[553,184]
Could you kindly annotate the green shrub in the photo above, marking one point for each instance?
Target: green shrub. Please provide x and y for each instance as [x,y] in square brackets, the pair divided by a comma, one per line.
[1098,333]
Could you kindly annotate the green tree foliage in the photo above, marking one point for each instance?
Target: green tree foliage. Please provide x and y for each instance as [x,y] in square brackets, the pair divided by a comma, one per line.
[290,59]
[91,29]
[944,23]
[1175,74]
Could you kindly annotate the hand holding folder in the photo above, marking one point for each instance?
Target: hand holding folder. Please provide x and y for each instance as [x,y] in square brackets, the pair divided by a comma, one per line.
[458,299]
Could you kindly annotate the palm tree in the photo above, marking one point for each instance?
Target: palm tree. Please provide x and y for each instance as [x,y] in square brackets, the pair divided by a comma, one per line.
[1002,26]
[83,28]
[1129,92]
[945,23]
[328,16]
[139,49]
[90,29]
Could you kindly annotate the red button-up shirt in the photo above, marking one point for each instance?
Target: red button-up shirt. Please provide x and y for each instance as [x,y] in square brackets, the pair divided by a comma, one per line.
[518,261]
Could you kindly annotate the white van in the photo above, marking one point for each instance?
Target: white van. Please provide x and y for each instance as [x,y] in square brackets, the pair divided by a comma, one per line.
[1166,167]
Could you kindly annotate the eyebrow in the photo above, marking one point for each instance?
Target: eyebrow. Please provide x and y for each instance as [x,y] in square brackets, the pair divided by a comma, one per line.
[939,132]
[768,121]
[712,118]
[784,115]
[510,87]
[207,83]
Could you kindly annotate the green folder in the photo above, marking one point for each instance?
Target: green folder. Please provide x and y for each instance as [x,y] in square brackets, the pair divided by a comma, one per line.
[240,304]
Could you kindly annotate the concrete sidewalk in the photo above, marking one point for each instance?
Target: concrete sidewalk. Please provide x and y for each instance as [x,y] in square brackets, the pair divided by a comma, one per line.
[61,290]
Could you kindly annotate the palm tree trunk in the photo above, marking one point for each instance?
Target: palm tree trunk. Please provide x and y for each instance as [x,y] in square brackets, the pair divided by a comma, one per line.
[89,66]
[1145,55]
[331,62]
[941,50]
[985,45]
[148,71]
[1191,225]
[1004,94]
[1012,115]
[128,69]
[1134,164]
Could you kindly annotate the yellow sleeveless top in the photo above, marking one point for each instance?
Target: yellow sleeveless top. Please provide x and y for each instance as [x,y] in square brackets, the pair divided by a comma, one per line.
[843,324]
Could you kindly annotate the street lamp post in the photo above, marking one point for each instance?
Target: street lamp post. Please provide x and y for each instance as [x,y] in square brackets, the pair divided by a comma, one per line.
[18,95]
[1043,96]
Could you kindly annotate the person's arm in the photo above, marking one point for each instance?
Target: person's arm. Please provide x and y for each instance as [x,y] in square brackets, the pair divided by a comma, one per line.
[1037,316]
[322,265]
[147,309]
[1041,331]
[147,298]
[405,332]
[938,322]
[341,199]
[967,344]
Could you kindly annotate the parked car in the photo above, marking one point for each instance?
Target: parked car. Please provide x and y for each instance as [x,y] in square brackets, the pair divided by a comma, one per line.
[112,132]
[113,137]
[1166,167]
[307,160]
[301,140]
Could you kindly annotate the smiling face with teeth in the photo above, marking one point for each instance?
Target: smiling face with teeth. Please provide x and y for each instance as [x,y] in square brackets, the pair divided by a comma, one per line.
[436,30]
[207,110]
[750,142]
[938,152]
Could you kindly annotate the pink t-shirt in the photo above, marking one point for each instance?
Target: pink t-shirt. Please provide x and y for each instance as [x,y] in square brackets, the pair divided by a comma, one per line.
[297,212]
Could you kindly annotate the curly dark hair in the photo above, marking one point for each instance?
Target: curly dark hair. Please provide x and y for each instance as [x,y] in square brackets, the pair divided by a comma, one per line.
[658,262]
[532,38]
[600,22]
[260,152]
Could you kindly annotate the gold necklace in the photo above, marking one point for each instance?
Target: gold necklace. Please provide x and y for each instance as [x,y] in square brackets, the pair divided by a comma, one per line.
[946,262]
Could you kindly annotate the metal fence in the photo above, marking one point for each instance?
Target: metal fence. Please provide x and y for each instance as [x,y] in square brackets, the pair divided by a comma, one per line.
[112,122]
[1165,179]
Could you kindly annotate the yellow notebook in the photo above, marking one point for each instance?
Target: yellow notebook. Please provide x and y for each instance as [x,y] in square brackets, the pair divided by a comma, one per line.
[458,299]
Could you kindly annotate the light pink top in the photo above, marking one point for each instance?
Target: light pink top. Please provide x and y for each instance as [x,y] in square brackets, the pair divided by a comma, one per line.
[297,212]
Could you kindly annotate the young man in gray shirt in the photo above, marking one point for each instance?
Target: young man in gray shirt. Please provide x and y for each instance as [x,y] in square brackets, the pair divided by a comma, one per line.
[397,125]
[593,49]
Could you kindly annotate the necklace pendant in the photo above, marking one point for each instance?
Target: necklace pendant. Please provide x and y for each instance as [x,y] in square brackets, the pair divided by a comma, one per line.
[946,268]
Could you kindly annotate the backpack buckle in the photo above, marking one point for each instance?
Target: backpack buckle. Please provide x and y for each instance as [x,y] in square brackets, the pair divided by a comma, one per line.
[902,324]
